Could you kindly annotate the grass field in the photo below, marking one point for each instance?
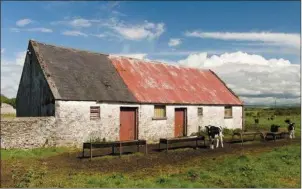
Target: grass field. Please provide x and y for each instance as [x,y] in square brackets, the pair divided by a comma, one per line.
[278,167]
[8,115]
[274,165]
[293,114]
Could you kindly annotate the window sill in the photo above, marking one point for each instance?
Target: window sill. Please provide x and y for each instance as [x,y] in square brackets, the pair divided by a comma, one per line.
[228,117]
[159,118]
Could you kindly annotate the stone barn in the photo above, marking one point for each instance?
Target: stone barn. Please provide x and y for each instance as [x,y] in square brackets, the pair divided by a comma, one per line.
[98,96]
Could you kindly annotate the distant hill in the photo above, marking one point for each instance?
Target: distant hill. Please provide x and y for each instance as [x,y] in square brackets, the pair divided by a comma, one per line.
[272,106]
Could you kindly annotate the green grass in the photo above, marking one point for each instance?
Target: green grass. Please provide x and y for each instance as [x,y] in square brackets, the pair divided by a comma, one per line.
[277,168]
[279,120]
[32,153]
[8,115]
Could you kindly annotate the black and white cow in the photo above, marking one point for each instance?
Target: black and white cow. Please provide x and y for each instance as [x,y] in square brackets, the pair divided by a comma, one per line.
[214,133]
[291,128]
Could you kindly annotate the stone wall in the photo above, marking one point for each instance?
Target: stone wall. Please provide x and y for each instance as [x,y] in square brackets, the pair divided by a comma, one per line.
[27,132]
[7,109]
[72,126]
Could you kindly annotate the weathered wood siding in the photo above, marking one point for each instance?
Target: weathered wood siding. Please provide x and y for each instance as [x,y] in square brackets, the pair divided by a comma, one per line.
[34,97]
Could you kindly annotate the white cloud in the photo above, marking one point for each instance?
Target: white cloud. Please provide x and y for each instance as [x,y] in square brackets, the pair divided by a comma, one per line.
[11,70]
[100,35]
[287,39]
[271,101]
[194,60]
[80,23]
[20,58]
[15,29]
[74,33]
[43,30]
[2,50]
[23,22]
[76,22]
[201,59]
[116,28]
[174,42]
[141,56]
[117,13]
[252,77]
[147,30]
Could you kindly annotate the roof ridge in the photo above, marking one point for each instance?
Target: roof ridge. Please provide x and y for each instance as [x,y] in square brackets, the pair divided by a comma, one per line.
[69,48]
[144,61]
[114,55]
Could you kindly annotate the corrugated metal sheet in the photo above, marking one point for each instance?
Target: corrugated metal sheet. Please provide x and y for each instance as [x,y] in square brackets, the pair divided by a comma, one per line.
[162,83]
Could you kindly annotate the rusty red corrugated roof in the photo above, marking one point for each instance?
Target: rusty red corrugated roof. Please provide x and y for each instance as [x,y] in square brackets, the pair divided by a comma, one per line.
[163,83]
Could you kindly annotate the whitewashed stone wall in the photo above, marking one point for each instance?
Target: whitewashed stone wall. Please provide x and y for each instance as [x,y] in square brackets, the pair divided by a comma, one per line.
[74,125]
[214,115]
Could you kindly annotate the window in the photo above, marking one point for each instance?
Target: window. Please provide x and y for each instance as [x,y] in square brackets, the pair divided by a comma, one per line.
[94,112]
[159,112]
[200,112]
[228,112]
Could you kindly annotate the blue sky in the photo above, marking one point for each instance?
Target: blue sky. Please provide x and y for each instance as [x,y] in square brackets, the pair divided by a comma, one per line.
[253,37]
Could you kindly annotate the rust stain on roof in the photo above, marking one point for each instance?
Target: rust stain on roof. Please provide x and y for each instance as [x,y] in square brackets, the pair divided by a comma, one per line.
[162,83]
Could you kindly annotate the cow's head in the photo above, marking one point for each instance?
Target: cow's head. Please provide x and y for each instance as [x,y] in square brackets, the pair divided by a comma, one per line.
[207,127]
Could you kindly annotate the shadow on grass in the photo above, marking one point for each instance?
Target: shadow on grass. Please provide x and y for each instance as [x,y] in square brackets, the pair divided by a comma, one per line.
[110,155]
[239,141]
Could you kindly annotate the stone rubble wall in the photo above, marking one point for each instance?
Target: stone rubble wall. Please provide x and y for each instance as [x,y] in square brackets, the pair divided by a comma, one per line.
[27,132]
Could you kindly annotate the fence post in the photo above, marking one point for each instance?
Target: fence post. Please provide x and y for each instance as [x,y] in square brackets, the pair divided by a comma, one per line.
[243,119]
[90,149]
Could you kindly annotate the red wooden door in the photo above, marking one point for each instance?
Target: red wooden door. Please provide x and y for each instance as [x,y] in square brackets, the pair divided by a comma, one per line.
[128,124]
[180,122]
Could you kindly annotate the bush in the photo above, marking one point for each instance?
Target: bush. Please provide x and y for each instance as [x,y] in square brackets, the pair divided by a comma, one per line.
[256,121]
[249,114]
[227,131]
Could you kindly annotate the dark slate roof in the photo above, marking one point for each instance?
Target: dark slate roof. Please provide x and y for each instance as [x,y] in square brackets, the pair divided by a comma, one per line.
[80,75]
